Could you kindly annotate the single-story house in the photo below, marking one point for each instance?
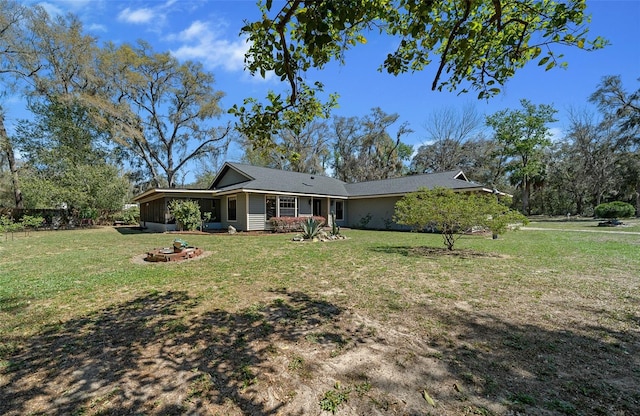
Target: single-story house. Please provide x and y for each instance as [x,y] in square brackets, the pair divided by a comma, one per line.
[246,197]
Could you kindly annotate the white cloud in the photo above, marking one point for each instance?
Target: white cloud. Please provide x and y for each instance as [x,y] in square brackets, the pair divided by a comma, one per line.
[556,134]
[51,9]
[80,7]
[96,27]
[202,43]
[137,16]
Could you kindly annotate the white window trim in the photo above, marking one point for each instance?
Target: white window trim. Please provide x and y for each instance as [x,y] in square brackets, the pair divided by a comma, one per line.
[295,205]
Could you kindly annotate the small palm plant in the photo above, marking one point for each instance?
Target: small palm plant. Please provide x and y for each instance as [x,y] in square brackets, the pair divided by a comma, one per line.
[310,228]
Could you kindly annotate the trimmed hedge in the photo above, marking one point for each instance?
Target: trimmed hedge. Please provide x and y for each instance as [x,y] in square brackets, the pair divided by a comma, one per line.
[291,224]
[616,209]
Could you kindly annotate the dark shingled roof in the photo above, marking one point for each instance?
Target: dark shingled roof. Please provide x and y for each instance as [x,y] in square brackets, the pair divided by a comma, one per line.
[275,180]
[406,184]
[278,181]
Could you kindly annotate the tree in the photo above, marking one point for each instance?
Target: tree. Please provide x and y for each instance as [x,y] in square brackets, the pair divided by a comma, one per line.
[448,131]
[363,149]
[453,214]
[478,44]
[11,31]
[623,109]
[522,135]
[615,102]
[41,56]
[306,150]
[160,110]
[68,160]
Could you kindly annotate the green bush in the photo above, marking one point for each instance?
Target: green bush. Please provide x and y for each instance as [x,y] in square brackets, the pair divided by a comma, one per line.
[131,215]
[186,213]
[616,209]
[30,221]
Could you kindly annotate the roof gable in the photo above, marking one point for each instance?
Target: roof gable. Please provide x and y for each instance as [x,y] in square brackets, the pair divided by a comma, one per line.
[229,175]
[263,179]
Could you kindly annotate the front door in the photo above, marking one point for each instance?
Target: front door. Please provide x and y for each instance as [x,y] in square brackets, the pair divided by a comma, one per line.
[317,207]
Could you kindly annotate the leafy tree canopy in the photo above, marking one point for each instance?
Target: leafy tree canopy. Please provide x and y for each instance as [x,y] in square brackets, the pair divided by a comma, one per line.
[476,45]
[453,214]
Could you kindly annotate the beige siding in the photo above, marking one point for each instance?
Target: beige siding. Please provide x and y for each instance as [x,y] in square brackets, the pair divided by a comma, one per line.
[380,210]
[257,215]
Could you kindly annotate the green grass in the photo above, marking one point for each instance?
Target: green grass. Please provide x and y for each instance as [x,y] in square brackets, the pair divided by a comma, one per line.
[584,224]
[560,305]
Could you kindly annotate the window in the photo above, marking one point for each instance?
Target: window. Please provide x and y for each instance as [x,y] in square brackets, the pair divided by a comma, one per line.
[287,205]
[339,210]
[231,208]
[271,207]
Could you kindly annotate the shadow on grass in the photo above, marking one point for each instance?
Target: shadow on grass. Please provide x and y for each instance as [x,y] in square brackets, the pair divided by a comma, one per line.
[155,354]
[161,354]
[435,252]
[585,369]
[132,230]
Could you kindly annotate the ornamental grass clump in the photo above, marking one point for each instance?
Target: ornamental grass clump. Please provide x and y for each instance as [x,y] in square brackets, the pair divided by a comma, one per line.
[310,228]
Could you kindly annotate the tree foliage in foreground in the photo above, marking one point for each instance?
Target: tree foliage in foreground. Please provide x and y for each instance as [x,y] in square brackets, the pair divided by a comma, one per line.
[474,44]
[453,214]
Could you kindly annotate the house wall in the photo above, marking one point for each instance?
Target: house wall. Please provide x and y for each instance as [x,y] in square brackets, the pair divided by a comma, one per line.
[155,216]
[240,223]
[257,212]
[304,206]
[344,222]
[257,217]
[379,209]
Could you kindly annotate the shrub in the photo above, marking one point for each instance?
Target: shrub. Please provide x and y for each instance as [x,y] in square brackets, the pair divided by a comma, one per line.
[89,213]
[617,209]
[131,215]
[454,213]
[29,221]
[291,224]
[186,213]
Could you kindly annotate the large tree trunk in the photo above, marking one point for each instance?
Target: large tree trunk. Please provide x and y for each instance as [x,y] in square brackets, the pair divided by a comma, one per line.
[7,148]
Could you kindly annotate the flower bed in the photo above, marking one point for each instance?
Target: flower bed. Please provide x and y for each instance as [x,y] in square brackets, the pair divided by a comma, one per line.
[291,224]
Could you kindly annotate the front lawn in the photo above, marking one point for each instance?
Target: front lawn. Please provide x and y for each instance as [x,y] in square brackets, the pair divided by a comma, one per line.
[535,322]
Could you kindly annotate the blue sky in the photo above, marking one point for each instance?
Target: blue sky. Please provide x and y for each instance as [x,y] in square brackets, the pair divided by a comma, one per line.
[207,31]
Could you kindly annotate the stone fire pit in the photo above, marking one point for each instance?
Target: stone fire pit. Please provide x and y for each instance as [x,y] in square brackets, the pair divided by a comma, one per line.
[180,251]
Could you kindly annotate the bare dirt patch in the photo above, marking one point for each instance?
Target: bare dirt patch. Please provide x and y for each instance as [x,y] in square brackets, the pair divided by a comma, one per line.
[297,355]
[284,357]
